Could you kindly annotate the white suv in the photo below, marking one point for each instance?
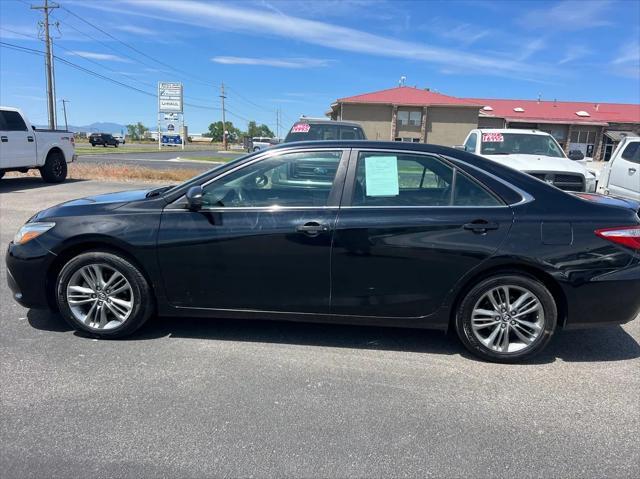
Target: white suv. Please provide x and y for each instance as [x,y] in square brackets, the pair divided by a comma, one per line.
[534,152]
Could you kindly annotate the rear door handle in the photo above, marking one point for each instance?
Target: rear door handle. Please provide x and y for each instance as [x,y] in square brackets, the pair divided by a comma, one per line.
[30,139]
[312,228]
[632,170]
[480,226]
[4,139]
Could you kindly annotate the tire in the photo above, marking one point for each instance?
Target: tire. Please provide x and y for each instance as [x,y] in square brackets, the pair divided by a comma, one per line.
[481,323]
[116,145]
[104,144]
[257,148]
[55,168]
[1,174]
[81,316]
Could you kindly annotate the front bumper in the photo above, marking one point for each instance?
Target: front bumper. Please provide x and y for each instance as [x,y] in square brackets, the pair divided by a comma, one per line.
[27,268]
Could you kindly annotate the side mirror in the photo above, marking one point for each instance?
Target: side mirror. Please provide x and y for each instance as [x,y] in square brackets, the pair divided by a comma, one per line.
[576,155]
[194,197]
[460,147]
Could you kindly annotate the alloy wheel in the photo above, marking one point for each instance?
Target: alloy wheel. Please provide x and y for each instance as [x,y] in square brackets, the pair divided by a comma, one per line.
[508,319]
[100,296]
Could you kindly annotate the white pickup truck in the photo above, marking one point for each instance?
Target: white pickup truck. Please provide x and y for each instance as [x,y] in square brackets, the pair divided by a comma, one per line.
[534,152]
[23,147]
[621,174]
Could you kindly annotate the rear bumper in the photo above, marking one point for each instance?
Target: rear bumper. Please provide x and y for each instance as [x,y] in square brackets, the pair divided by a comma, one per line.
[27,268]
[611,298]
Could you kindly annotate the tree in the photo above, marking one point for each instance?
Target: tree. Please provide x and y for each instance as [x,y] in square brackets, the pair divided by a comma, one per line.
[136,131]
[132,132]
[254,130]
[215,131]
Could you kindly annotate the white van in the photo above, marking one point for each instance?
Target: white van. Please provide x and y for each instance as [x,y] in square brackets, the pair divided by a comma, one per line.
[621,174]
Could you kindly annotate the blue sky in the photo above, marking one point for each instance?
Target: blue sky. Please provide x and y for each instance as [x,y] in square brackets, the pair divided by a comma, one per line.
[300,56]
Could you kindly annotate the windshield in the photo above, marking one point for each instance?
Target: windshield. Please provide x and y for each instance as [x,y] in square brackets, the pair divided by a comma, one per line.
[323,131]
[520,144]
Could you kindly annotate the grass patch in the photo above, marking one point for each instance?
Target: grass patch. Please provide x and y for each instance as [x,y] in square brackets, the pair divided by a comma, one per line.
[122,173]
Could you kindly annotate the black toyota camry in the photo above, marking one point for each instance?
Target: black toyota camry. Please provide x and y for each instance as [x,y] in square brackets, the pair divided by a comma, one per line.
[356,232]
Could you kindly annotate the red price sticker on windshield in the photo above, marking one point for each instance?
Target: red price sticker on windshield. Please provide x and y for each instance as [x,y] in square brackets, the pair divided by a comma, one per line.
[492,138]
[301,128]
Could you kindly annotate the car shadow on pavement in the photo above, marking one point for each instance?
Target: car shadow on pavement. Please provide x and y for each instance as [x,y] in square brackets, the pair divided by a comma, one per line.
[14,183]
[610,343]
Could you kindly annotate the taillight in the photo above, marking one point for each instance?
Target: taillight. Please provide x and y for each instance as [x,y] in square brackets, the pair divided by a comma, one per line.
[624,235]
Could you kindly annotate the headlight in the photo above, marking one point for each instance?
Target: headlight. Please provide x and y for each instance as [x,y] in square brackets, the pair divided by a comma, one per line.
[30,231]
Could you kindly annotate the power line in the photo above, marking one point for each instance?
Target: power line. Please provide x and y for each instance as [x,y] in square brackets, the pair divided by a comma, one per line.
[131,47]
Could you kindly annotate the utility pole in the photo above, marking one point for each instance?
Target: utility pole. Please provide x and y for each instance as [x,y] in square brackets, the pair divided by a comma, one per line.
[224,121]
[278,123]
[48,61]
[64,109]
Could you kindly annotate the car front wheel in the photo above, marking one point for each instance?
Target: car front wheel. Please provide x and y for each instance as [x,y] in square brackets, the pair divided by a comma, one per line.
[507,318]
[103,294]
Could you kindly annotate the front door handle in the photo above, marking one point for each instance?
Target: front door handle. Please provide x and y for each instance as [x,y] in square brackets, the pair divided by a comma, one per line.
[312,228]
[632,170]
[30,139]
[480,226]
[4,139]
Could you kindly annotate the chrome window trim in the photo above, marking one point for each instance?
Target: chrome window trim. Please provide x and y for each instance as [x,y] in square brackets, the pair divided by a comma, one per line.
[422,207]
[272,209]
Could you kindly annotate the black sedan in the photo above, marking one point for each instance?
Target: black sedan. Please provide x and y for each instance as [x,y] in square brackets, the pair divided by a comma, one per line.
[357,232]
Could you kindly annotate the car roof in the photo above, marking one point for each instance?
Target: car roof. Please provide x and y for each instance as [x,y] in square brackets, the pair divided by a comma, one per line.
[316,121]
[517,131]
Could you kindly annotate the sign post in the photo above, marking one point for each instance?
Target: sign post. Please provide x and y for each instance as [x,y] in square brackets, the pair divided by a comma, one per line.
[170,110]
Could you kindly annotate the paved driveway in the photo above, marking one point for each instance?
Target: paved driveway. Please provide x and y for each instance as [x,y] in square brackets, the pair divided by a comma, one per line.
[198,398]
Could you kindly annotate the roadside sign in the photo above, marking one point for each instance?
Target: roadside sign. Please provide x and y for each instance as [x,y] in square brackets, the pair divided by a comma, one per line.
[169,97]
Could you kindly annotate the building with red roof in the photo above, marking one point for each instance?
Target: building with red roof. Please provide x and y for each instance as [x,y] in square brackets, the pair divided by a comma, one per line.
[421,115]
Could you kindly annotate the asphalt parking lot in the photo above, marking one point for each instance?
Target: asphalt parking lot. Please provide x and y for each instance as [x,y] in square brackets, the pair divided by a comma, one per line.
[199,398]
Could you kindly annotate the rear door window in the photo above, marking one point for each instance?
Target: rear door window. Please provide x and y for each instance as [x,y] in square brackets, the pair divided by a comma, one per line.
[396,179]
[13,121]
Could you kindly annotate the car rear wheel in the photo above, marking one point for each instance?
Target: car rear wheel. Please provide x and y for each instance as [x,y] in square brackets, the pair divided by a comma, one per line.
[507,318]
[55,168]
[103,294]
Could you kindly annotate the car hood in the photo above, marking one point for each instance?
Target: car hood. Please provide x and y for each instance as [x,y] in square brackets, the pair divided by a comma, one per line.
[108,201]
[541,163]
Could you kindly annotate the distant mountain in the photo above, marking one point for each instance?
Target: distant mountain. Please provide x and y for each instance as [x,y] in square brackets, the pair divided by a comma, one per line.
[98,127]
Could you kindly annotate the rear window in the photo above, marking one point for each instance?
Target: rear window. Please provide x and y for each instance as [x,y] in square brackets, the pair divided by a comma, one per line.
[323,131]
[632,152]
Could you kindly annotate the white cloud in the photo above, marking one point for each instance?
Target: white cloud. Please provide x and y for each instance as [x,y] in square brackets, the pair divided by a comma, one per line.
[98,56]
[627,63]
[568,15]
[574,52]
[230,17]
[273,62]
[136,30]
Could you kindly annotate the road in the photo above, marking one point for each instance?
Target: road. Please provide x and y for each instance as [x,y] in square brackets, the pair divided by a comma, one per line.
[205,398]
[160,159]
